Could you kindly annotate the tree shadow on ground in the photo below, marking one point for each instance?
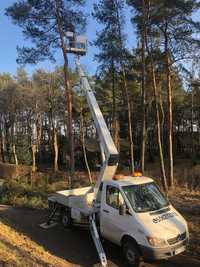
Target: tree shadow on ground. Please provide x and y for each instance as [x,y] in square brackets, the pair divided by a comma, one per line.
[74,245]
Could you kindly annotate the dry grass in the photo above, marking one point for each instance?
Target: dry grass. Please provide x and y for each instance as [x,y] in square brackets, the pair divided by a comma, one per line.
[186,173]
[18,250]
[188,203]
[8,254]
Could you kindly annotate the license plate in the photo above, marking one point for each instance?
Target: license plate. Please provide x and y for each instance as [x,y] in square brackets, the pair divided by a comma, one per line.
[179,250]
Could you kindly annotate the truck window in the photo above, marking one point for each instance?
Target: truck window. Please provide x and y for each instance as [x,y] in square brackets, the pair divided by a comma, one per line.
[113,197]
[145,197]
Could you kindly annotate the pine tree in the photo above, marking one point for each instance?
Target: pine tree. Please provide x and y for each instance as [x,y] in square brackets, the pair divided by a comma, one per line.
[173,20]
[112,56]
[45,23]
[170,28]
[144,28]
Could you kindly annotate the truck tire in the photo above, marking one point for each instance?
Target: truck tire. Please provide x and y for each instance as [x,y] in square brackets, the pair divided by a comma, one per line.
[66,219]
[131,253]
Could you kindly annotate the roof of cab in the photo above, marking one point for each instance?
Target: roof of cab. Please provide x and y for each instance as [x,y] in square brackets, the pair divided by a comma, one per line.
[130,180]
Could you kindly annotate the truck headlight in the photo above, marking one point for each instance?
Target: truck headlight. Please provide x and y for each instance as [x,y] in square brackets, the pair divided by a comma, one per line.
[156,242]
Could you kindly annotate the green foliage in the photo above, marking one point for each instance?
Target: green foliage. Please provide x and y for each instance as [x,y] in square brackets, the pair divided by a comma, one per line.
[39,21]
[111,38]
[39,102]
[21,194]
[23,150]
[172,20]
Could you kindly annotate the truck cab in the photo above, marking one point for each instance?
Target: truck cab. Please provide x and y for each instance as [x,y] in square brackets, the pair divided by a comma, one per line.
[135,214]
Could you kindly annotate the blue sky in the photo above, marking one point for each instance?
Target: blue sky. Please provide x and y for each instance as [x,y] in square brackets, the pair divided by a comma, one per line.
[11,36]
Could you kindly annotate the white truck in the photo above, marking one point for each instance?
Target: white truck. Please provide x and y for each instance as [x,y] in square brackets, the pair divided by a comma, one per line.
[129,211]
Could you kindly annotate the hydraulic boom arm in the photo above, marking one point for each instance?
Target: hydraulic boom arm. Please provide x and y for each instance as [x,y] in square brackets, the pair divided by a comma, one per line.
[110,155]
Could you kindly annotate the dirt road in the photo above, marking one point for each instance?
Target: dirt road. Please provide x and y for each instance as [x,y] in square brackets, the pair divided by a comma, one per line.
[74,245]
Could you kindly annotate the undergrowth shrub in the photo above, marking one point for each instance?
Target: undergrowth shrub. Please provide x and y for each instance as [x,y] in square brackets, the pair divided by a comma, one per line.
[20,194]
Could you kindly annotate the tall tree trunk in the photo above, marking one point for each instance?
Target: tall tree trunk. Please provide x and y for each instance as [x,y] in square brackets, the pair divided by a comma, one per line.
[162,117]
[34,149]
[143,141]
[39,136]
[33,133]
[15,155]
[192,120]
[162,165]
[169,117]
[2,144]
[7,137]
[13,144]
[116,133]
[69,124]
[2,151]
[54,139]
[149,51]
[130,127]
[55,145]
[115,123]
[83,146]
[68,92]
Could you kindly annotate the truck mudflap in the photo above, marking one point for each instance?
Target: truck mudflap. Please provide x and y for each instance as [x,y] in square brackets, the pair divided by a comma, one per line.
[163,253]
[97,241]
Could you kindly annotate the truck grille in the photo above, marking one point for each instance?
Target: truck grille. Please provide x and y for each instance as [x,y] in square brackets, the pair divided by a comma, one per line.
[177,239]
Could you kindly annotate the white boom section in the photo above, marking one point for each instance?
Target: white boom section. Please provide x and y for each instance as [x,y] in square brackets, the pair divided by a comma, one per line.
[110,155]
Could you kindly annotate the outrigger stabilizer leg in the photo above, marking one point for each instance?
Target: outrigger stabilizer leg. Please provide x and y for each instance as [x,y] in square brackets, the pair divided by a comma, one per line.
[97,241]
[50,223]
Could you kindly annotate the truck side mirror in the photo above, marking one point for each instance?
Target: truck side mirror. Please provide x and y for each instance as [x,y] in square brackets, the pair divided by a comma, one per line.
[122,209]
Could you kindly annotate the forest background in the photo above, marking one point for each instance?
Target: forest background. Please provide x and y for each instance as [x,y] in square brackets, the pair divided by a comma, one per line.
[146,82]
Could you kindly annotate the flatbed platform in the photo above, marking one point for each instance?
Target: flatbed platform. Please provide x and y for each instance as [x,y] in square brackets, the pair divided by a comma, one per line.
[79,200]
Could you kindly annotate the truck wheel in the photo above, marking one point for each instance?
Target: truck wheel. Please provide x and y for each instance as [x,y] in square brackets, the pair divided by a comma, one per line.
[66,219]
[131,253]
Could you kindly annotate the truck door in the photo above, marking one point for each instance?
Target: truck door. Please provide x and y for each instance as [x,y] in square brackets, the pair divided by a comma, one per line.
[112,224]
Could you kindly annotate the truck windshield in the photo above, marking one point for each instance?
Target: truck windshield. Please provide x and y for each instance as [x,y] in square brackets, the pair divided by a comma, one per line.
[145,197]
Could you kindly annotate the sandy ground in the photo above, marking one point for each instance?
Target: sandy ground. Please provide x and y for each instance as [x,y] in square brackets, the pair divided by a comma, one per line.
[25,240]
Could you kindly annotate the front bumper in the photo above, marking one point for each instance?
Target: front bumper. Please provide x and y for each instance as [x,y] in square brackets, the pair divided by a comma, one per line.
[163,253]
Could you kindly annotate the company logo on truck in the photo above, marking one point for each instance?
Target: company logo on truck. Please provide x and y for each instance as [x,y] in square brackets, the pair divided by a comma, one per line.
[165,216]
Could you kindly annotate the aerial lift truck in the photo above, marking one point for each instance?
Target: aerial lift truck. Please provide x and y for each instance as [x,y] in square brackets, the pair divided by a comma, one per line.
[130,211]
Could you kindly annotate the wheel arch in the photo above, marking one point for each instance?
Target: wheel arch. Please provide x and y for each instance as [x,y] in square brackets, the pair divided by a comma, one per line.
[129,238]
